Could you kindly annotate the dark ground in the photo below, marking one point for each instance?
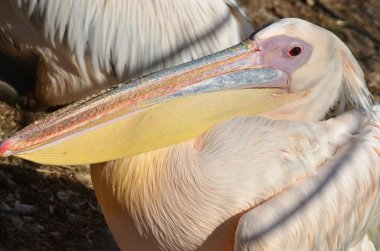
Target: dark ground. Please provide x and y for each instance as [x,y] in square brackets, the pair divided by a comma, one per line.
[54,208]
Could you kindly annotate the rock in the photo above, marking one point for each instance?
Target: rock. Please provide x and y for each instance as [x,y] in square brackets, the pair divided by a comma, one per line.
[24,209]
[4,207]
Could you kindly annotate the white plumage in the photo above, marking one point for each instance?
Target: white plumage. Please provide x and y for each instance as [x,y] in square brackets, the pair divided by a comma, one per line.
[192,196]
[333,208]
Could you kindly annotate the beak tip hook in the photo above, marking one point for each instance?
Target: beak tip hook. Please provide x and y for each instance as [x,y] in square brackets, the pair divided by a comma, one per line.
[4,148]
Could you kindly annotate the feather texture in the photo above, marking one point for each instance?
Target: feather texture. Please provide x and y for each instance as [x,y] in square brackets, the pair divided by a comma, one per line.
[190,196]
[88,45]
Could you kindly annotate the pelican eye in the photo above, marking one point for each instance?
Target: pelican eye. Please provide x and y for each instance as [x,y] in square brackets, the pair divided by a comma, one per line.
[295,51]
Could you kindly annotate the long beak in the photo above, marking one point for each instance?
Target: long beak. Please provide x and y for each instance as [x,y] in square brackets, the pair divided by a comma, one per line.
[161,109]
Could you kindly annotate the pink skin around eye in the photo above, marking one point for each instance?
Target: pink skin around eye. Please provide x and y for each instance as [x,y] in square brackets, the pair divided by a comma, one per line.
[278,51]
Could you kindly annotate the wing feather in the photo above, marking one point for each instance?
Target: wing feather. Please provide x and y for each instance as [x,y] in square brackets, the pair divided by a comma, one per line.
[331,210]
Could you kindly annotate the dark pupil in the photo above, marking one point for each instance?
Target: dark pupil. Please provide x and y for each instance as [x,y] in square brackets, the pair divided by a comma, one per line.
[295,51]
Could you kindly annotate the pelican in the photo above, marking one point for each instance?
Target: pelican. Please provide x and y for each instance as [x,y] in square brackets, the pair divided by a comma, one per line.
[73,48]
[227,152]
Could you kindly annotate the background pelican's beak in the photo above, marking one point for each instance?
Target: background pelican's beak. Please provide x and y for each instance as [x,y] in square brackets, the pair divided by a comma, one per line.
[164,108]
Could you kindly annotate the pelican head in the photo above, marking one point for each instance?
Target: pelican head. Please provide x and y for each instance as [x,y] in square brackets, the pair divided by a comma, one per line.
[291,69]
[317,62]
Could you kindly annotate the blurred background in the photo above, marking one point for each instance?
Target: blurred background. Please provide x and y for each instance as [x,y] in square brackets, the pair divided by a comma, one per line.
[46,208]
